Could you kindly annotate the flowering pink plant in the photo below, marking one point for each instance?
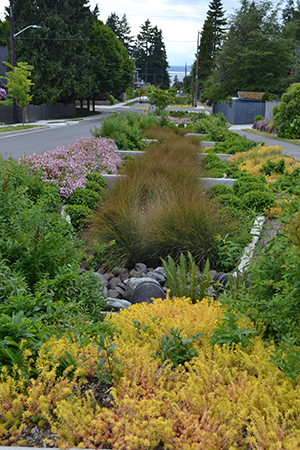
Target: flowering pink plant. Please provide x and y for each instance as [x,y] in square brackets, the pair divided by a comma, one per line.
[2,94]
[183,120]
[67,166]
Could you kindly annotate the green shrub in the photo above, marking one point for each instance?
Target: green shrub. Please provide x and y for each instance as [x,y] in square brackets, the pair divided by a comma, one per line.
[97,178]
[17,334]
[33,240]
[202,126]
[287,117]
[248,186]
[245,178]
[218,189]
[176,349]
[160,98]
[212,161]
[258,201]
[78,215]
[232,144]
[229,200]
[94,186]
[228,332]
[271,298]
[85,197]
[112,100]
[289,183]
[125,130]
[258,117]
[269,167]
[217,133]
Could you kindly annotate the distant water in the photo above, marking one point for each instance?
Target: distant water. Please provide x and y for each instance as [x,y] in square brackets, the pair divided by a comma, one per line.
[179,71]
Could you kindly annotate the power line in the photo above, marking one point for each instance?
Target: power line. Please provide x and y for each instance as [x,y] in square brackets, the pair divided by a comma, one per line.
[74,39]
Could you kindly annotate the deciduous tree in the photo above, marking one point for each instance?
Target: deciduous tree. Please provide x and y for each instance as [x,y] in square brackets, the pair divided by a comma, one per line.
[19,83]
[111,67]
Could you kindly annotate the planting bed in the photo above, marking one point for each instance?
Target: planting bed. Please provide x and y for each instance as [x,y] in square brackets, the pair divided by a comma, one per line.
[202,369]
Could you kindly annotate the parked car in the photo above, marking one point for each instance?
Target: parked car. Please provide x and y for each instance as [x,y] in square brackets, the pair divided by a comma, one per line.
[143,99]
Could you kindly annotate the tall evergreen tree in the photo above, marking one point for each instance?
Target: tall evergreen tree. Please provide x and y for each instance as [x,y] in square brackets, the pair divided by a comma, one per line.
[211,40]
[218,22]
[142,50]
[122,30]
[206,51]
[150,56]
[57,50]
[254,56]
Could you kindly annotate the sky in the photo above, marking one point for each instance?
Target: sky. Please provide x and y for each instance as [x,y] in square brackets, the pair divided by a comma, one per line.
[179,20]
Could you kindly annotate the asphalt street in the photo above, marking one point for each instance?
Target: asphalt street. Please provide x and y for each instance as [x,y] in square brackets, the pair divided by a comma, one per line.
[53,134]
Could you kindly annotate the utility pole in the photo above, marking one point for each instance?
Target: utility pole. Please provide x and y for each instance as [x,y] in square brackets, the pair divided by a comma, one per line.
[193,91]
[197,67]
[13,52]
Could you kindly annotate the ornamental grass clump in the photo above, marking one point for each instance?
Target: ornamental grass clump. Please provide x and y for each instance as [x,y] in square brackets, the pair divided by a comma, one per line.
[68,166]
[159,208]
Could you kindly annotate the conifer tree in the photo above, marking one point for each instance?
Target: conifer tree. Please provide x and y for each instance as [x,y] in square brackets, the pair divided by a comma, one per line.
[150,56]
[122,30]
[211,40]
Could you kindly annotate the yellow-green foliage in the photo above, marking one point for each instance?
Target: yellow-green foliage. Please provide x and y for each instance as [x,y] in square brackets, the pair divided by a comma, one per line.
[228,398]
[253,160]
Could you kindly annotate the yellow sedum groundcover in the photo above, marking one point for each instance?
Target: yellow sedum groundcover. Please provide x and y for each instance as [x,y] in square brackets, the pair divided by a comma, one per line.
[225,398]
[252,160]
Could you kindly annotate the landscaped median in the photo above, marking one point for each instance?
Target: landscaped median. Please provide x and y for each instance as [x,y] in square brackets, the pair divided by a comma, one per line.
[213,365]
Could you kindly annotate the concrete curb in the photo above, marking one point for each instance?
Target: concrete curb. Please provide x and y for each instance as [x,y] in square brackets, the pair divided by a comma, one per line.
[8,133]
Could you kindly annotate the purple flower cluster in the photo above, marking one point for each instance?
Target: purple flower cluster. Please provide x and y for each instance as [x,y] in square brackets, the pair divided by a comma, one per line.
[262,125]
[2,94]
[183,120]
[67,166]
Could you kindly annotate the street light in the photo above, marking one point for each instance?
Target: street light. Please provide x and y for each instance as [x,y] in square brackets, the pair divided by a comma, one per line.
[13,48]
[29,26]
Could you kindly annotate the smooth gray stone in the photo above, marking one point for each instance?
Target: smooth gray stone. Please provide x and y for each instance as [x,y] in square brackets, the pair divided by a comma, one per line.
[141,267]
[117,303]
[157,277]
[113,283]
[160,270]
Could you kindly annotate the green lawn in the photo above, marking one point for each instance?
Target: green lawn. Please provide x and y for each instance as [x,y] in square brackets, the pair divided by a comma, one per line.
[17,128]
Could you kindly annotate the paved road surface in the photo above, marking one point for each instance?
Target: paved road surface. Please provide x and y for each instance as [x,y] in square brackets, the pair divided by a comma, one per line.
[45,139]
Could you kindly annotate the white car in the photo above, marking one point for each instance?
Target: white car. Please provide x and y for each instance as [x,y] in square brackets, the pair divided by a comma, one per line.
[143,99]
